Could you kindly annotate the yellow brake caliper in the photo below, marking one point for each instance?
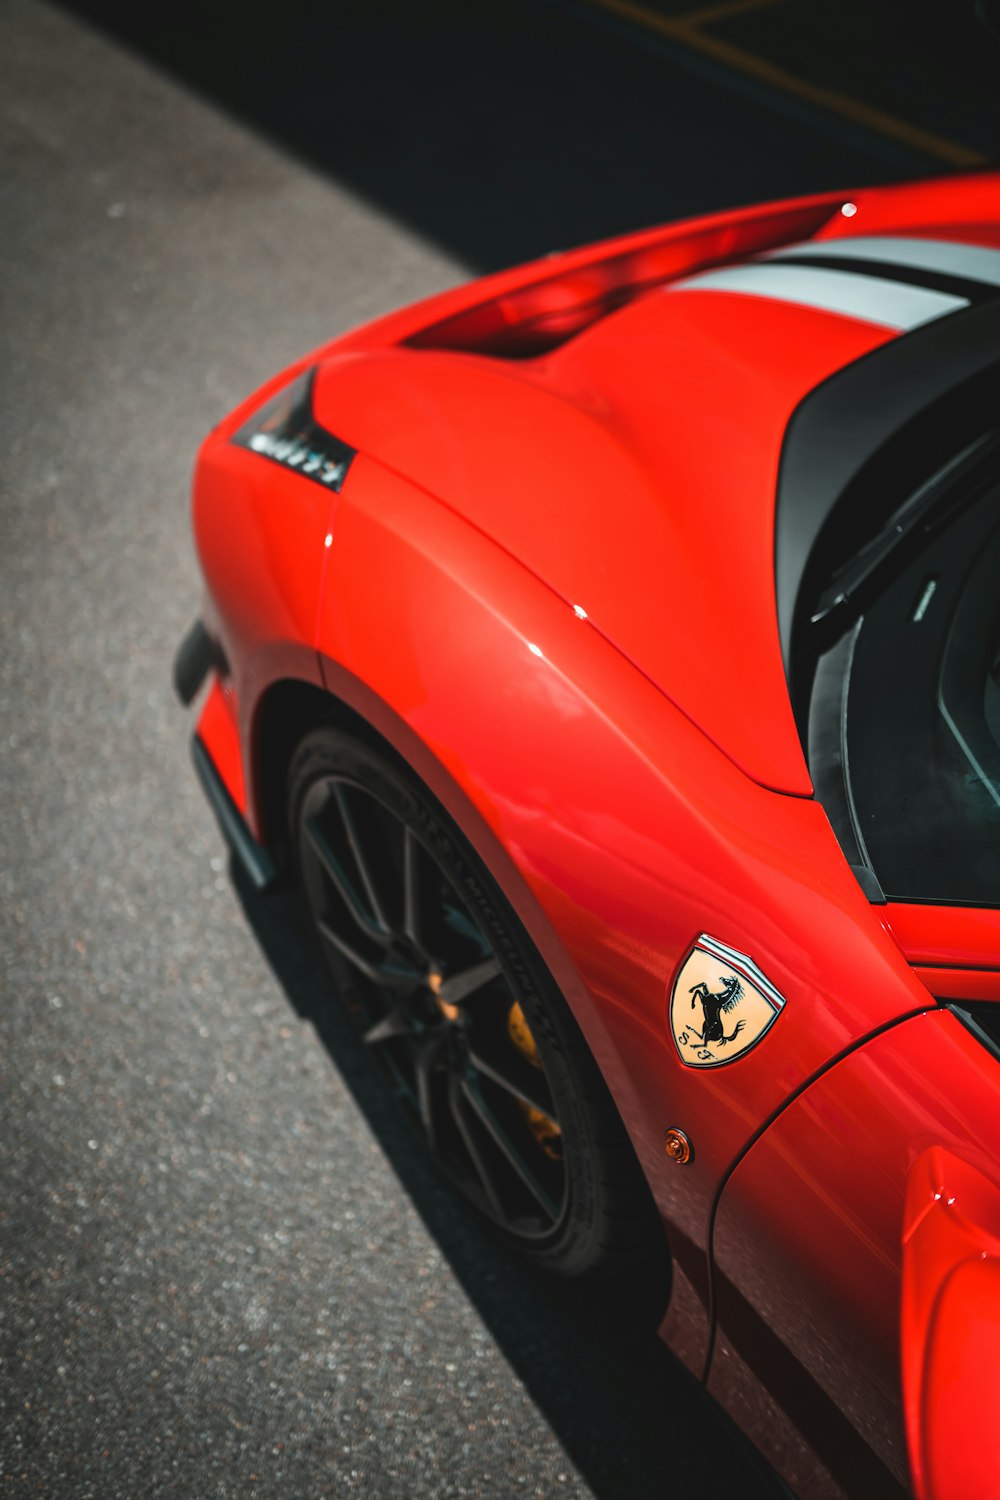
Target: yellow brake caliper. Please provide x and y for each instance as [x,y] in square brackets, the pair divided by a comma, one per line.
[542,1126]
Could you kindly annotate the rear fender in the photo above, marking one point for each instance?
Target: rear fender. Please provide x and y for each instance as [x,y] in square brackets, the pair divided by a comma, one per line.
[616,830]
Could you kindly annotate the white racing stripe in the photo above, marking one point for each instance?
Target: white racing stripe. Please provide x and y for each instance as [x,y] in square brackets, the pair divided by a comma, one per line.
[873,299]
[973,262]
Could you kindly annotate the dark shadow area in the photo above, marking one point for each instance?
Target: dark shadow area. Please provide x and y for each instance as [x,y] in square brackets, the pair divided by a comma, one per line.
[500,131]
[631,1418]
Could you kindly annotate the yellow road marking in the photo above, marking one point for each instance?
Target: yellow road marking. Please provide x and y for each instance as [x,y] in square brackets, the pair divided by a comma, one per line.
[685,31]
[710,13]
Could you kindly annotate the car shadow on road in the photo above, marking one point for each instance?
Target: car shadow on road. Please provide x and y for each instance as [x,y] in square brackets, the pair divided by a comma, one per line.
[503,130]
[629,1416]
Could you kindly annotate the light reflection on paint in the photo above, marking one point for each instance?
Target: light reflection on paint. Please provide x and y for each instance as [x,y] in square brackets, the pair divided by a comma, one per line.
[535,650]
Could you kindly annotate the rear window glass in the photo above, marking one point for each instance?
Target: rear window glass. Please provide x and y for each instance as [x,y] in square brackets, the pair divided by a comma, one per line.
[904,721]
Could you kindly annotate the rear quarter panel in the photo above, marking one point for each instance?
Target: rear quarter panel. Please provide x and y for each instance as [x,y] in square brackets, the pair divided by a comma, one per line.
[809,1254]
[617,831]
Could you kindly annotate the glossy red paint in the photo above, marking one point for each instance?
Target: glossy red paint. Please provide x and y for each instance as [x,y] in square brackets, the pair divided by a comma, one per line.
[598,277]
[218,731]
[548,584]
[961,937]
[615,824]
[809,1246]
[965,207]
[954,208]
[573,291]
[951,1326]
[261,534]
[960,984]
[617,427]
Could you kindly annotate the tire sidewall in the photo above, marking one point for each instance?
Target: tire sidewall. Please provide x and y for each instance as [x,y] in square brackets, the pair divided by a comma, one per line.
[574,1246]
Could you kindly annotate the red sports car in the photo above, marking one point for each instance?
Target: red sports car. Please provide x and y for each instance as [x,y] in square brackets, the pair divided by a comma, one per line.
[612,649]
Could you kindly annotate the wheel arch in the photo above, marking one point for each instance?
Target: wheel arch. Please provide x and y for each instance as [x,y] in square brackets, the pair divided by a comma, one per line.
[286,711]
[289,708]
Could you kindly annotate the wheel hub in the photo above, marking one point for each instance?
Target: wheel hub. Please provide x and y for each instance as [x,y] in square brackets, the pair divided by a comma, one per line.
[435,979]
[435,1005]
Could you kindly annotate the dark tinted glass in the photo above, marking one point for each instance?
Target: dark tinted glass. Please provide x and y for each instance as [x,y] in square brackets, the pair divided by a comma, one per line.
[905,718]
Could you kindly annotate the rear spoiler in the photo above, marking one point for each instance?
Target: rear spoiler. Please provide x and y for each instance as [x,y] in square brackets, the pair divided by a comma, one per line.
[552,306]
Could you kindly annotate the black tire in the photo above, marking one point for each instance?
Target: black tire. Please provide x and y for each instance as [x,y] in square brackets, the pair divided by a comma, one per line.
[432,965]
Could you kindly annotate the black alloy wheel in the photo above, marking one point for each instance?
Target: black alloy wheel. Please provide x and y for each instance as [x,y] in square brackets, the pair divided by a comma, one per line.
[448,993]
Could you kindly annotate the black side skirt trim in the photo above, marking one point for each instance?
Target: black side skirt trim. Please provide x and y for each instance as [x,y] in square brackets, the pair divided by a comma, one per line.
[195,656]
[254,858]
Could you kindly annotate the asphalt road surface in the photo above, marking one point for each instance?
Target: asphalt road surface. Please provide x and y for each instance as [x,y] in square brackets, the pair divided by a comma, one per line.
[225,1269]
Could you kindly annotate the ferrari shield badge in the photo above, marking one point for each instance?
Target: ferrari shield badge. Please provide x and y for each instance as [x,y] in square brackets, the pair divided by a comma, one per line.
[721,1005]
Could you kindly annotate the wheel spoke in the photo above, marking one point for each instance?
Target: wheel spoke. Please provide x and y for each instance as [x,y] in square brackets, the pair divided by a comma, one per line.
[350,827]
[527,1094]
[395,1023]
[411,887]
[463,984]
[472,1092]
[389,975]
[382,902]
[372,927]
[458,921]
[482,1169]
[424,1061]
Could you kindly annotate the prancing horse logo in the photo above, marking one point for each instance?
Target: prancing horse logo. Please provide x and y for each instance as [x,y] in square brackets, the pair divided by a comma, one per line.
[723,981]
[713,1006]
